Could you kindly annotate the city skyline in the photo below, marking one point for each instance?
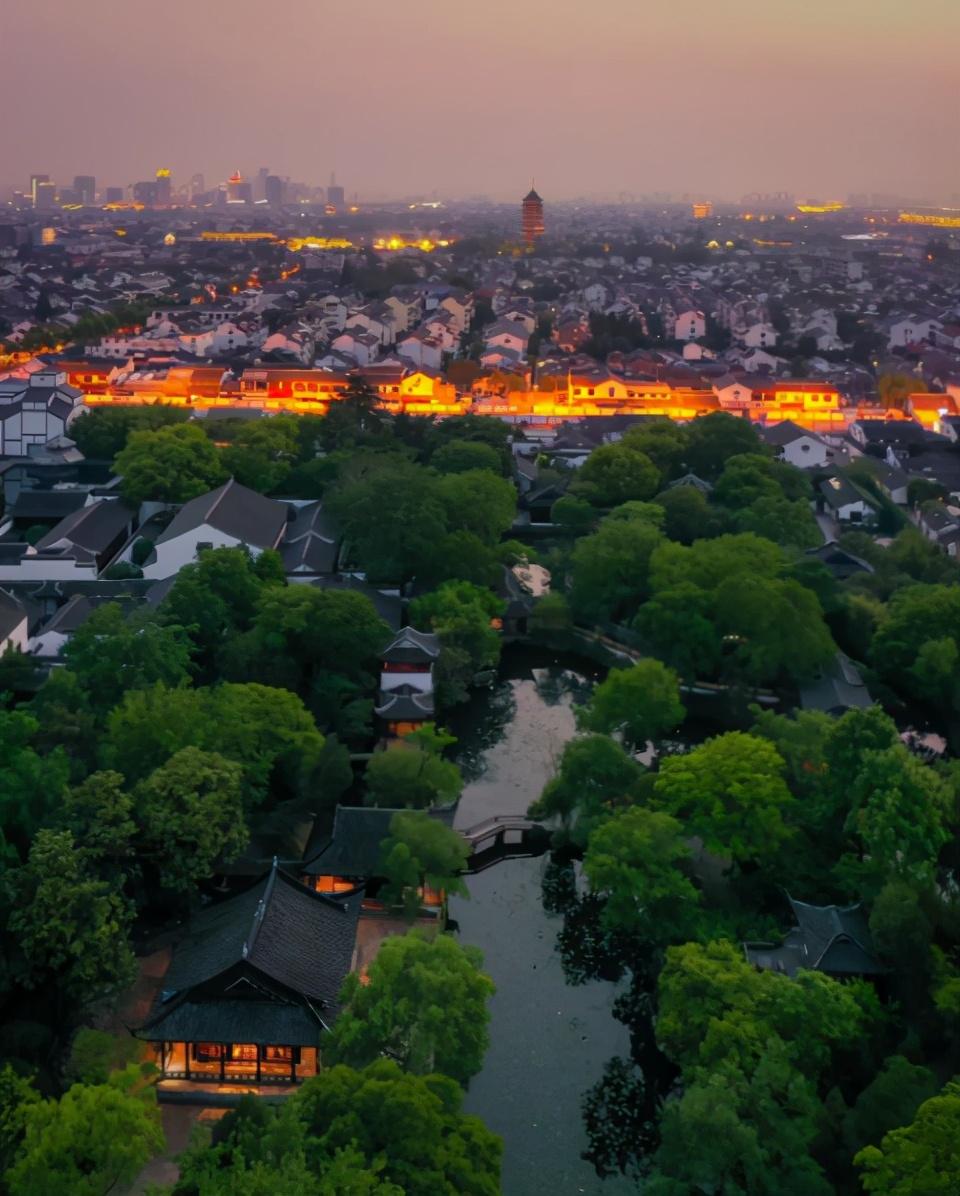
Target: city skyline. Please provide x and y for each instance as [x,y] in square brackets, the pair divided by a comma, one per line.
[607,101]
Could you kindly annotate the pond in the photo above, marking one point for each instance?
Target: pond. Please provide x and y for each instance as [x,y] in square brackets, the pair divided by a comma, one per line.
[549,1040]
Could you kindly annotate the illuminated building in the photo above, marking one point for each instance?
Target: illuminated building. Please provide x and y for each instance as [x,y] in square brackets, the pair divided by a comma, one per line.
[45,196]
[949,218]
[164,186]
[197,186]
[35,181]
[254,943]
[170,240]
[702,211]
[85,189]
[238,189]
[238,236]
[531,218]
[820,209]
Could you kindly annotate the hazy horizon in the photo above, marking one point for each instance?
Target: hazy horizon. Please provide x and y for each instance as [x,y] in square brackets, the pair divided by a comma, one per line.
[612,98]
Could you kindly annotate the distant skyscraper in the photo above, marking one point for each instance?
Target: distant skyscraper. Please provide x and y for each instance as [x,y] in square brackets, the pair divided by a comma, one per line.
[145,192]
[335,195]
[35,180]
[260,184]
[238,189]
[273,190]
[531,218]
[113,195]
[45,196]
[197,186]
[164,186]
[85,188]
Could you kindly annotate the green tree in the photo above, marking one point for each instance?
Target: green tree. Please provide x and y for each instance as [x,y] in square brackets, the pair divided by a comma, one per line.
[610,570]
[392,520]
[31,785]
[192,816]
[421,850]
[707,563]
[677,626]
[172,464]
[462,615]
[716,1008]
[594,778]
[731,793]
[713,439]
[915,639]
[898,809]
[615,473]
[99,815]
[424,1004]
[112,653]
[409,775]
[300,633]
[780,520]
[102,434]
[777,627]
[635,861]
[753,1131]
[920,1159]
[17,1094]
[746,477]
[890,1100]
[478,501]
[574,515]
[89,1142]
[354,419]
[410,1126]
[638,703]
[71,928]
[688,516]
[268,732]
[663,441]
[462,456]
[263,453]
[213,599]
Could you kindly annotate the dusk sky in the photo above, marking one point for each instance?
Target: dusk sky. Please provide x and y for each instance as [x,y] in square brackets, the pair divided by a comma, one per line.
[816,97]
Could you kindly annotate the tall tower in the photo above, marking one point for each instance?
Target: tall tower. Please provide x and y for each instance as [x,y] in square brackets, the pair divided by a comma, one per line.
[164,187]
[531,218]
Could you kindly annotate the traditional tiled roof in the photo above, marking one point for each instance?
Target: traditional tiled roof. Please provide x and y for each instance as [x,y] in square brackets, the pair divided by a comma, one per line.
[353,846]
[293,936]
[234,510]
[412,647]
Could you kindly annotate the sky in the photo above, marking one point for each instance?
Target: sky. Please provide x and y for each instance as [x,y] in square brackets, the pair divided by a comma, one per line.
[819,98]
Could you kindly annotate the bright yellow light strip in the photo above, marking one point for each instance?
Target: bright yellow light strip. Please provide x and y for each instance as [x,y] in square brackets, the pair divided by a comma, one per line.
[813,209]
[930,218]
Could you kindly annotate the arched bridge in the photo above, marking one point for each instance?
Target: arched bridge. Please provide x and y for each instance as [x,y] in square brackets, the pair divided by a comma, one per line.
[504,837]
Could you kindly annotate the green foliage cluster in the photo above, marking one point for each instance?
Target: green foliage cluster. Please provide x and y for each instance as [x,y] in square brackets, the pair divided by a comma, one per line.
[786,1083]
[379,1131]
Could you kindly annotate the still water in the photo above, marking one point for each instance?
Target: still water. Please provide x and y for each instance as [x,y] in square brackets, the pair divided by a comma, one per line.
[549,1039]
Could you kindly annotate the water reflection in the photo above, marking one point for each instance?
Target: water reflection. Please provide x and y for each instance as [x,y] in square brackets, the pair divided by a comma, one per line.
[549,1039]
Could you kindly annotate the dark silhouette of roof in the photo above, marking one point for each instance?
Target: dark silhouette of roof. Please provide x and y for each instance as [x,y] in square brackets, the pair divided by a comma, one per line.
[832,939]
[532,195]
[234,510]
[412,647]
[353,846]
[262,966]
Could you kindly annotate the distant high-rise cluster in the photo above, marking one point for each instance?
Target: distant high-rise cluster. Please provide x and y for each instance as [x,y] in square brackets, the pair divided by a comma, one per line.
[531,218]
